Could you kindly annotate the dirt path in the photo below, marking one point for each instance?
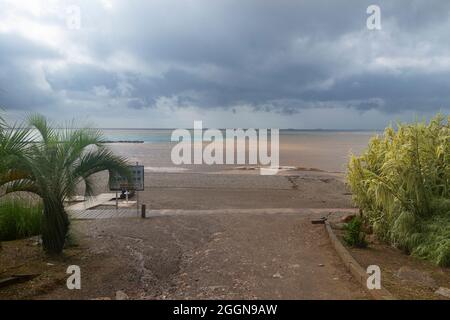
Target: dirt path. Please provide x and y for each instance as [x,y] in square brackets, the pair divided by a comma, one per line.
[217,256]
[233,252]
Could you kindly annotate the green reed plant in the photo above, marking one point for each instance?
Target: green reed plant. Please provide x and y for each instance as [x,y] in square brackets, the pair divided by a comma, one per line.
[402,185]
[19,219]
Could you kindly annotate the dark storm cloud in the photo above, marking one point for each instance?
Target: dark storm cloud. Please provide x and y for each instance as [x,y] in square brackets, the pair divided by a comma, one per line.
[81,78]
[17,88]
[416,91]
[275,56]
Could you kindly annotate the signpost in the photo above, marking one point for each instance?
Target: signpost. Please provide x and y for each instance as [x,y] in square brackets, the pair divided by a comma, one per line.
[118,182]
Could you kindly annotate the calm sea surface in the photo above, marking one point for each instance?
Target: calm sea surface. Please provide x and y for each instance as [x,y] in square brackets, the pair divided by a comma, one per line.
[325,150]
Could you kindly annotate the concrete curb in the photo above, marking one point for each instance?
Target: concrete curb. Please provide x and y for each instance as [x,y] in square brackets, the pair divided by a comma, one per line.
[355,268]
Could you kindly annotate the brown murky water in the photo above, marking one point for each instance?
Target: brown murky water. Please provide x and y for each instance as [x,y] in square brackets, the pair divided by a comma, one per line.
[324,150]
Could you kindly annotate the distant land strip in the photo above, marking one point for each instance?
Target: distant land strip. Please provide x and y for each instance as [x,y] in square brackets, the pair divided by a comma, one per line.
[123,141]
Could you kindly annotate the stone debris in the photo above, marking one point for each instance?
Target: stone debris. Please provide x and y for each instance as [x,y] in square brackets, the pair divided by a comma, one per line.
[277,276]
[120,295]
[443,292]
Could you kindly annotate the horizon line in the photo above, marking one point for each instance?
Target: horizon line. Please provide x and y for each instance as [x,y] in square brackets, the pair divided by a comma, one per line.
[284,129]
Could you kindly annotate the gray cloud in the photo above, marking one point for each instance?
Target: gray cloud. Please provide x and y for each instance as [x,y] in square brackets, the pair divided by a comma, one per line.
[272,56]
[18,88]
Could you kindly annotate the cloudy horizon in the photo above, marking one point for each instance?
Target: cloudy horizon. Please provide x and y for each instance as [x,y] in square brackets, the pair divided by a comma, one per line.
[253,63]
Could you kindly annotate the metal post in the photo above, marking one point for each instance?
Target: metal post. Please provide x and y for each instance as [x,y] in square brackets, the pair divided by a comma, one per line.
[137,194]
[143,213]
[117,200]
[137,202]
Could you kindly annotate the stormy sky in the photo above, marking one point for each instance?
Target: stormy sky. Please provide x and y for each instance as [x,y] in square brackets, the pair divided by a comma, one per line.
[230,63]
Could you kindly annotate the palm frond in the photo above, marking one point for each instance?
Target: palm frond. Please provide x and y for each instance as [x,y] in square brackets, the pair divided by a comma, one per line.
[40,123]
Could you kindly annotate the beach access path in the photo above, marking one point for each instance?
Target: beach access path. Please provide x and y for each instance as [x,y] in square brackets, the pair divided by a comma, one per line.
[215,236]
[237,255]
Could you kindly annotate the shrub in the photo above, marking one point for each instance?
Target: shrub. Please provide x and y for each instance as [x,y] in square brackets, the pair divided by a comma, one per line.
[19,219]
[402,184]
[354,235]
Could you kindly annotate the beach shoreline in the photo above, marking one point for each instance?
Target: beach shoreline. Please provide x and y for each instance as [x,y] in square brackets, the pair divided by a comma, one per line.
[236,188]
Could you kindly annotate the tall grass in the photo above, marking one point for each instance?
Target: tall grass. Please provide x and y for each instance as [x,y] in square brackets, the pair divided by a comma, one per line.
[19,219]
[402,184]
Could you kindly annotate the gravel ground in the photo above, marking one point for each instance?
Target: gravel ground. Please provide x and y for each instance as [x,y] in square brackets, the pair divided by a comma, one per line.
[233,256]
[219,256]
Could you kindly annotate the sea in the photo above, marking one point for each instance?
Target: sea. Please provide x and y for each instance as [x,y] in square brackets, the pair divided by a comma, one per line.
[327,150]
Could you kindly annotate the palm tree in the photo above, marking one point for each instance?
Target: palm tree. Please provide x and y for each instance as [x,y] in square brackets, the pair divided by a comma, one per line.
[53,165]
[14,141]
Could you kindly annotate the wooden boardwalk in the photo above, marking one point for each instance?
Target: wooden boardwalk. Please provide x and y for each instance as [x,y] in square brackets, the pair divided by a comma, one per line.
[103,214]
[92,202]
[85,210]
[90,214]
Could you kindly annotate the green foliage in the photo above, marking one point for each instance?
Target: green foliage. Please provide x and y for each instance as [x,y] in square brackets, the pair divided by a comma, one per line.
[402,184]
[19,219]
[354,234]
[51,163]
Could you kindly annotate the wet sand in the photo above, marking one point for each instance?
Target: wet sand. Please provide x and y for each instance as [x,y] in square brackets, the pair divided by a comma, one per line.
[241,189]
[199,191]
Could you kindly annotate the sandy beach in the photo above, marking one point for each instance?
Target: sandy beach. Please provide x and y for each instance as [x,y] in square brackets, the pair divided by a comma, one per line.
[241,189]
[312,173]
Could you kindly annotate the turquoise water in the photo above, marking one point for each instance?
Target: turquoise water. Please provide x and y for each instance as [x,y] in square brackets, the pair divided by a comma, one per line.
[164,135]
